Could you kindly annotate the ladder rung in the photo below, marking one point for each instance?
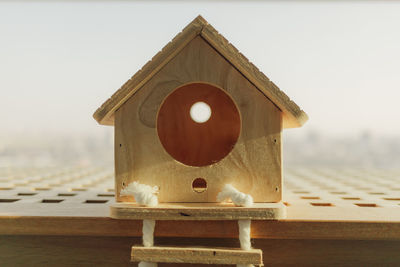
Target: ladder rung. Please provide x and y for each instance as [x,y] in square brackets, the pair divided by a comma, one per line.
[196,255]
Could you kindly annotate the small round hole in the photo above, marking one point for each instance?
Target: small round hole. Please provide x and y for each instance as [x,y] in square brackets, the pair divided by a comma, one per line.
[200,112]
[199,185]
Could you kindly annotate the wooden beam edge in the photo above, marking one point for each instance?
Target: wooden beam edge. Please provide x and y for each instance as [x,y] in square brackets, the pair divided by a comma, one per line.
[283,229]
[293,115]
[170,211]
[103,115]
[196,255]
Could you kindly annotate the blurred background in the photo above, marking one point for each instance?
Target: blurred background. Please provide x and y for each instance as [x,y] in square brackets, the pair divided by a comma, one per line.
[339,61]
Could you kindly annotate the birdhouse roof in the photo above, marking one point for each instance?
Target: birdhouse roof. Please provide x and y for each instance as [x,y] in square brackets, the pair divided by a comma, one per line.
[292,117]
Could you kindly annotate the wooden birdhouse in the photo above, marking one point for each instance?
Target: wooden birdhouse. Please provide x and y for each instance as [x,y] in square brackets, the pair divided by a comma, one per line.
[198,124]
[198,116]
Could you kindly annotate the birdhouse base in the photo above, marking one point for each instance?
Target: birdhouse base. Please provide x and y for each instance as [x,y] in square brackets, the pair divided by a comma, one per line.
[197,255]
[198,211]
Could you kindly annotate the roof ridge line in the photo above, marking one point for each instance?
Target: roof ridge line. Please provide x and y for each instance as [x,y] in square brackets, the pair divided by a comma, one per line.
[102,114]
[293,116]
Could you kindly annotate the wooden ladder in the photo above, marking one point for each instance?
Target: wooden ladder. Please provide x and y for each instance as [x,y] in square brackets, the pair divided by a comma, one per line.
[198,211]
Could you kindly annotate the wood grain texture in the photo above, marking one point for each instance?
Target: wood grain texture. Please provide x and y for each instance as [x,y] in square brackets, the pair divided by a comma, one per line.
[115,251]
[196,255]
[293,115]
[199,211]
[284,229]
[254,164]
[193,143]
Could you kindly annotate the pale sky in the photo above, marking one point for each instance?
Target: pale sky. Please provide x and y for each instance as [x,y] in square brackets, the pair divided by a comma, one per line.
[340,62]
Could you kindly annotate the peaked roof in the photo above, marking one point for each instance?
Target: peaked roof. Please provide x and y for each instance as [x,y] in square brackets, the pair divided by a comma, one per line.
[293,116]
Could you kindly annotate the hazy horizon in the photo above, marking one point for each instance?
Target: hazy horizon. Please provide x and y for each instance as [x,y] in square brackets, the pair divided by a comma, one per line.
[339,62]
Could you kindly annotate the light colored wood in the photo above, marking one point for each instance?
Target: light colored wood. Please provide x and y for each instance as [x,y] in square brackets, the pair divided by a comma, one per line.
[198,211]
[343,220]
[254,164]
[349,194]
[196,255]
[286,229]
[293,115]
[105,113]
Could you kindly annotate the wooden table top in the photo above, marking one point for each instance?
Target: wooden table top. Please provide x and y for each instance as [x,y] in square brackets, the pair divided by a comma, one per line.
[322,203]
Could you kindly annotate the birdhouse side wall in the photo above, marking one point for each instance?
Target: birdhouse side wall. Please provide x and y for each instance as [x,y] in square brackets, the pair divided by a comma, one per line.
[254,164]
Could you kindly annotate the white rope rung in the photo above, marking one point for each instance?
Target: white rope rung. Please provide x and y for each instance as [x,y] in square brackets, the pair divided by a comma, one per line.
[148,232]
[238,198]
[144,195]
[244,238]
[244,234]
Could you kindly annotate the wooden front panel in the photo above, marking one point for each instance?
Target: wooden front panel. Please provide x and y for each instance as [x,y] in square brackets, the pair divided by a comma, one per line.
[254,164]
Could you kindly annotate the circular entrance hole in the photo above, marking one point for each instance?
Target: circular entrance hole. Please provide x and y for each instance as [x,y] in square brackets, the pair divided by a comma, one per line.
[198,124]
[199,185]
[200,112]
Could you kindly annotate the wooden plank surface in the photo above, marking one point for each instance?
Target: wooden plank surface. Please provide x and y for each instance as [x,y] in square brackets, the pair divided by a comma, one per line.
[198,211]
[196,255]
[86,195]
[20,250]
